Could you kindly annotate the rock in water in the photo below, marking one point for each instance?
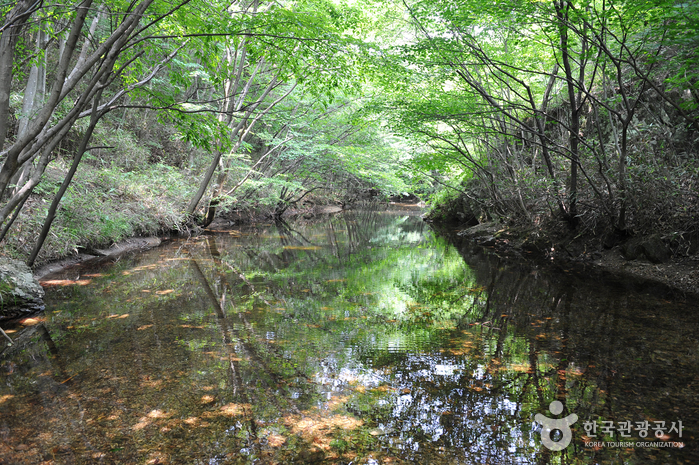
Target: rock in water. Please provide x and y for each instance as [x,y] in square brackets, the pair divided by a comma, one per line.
[20,293]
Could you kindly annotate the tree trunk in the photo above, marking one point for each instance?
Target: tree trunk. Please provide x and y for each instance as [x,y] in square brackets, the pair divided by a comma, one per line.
[12,155]
[574,126]
[42,128]
[33,96]
[212,167]
[94,119]
[15,21]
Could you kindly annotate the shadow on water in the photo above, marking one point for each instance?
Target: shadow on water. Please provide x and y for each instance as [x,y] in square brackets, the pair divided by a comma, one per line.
[362,338]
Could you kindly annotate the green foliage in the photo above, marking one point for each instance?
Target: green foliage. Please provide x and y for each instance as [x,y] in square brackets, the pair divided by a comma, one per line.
[103,206]
[397,96]
[129,150]
[467,84]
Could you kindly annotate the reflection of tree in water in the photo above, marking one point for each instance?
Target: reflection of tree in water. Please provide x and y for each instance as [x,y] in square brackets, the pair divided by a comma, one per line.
[530,339]
[236,330]
[345,235]
[269,376]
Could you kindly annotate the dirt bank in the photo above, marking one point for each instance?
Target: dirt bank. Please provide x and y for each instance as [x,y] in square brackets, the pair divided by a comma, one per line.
[679,273]
[128,245]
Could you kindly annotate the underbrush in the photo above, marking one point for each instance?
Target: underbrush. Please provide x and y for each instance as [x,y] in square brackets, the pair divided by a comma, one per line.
[662,206]
[102,206]
[652,191]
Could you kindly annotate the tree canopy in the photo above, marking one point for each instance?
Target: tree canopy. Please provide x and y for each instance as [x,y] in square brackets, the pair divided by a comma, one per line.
[580,111]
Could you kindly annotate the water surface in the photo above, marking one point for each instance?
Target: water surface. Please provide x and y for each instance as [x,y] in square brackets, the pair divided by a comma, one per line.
[363,338]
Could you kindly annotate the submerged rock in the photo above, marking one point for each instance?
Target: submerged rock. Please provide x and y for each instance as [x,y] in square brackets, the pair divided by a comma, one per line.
[20,292]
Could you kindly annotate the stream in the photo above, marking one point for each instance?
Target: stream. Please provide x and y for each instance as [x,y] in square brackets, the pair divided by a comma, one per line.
[364,338]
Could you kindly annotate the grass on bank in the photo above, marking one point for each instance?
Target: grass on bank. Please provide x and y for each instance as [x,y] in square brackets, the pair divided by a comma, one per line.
[102,206]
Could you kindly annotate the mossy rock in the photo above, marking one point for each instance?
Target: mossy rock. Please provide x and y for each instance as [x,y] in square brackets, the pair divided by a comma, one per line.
[652,248]
[20,292]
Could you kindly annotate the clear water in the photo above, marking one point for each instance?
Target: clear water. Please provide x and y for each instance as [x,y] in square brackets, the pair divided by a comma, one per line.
[363,338]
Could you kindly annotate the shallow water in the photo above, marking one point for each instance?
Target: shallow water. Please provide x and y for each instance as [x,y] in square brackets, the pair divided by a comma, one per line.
[365,338]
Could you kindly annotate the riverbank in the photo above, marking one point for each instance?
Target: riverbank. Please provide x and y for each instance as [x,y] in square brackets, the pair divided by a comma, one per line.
[106,210]
[103,207]
[679,273]
[132,244]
